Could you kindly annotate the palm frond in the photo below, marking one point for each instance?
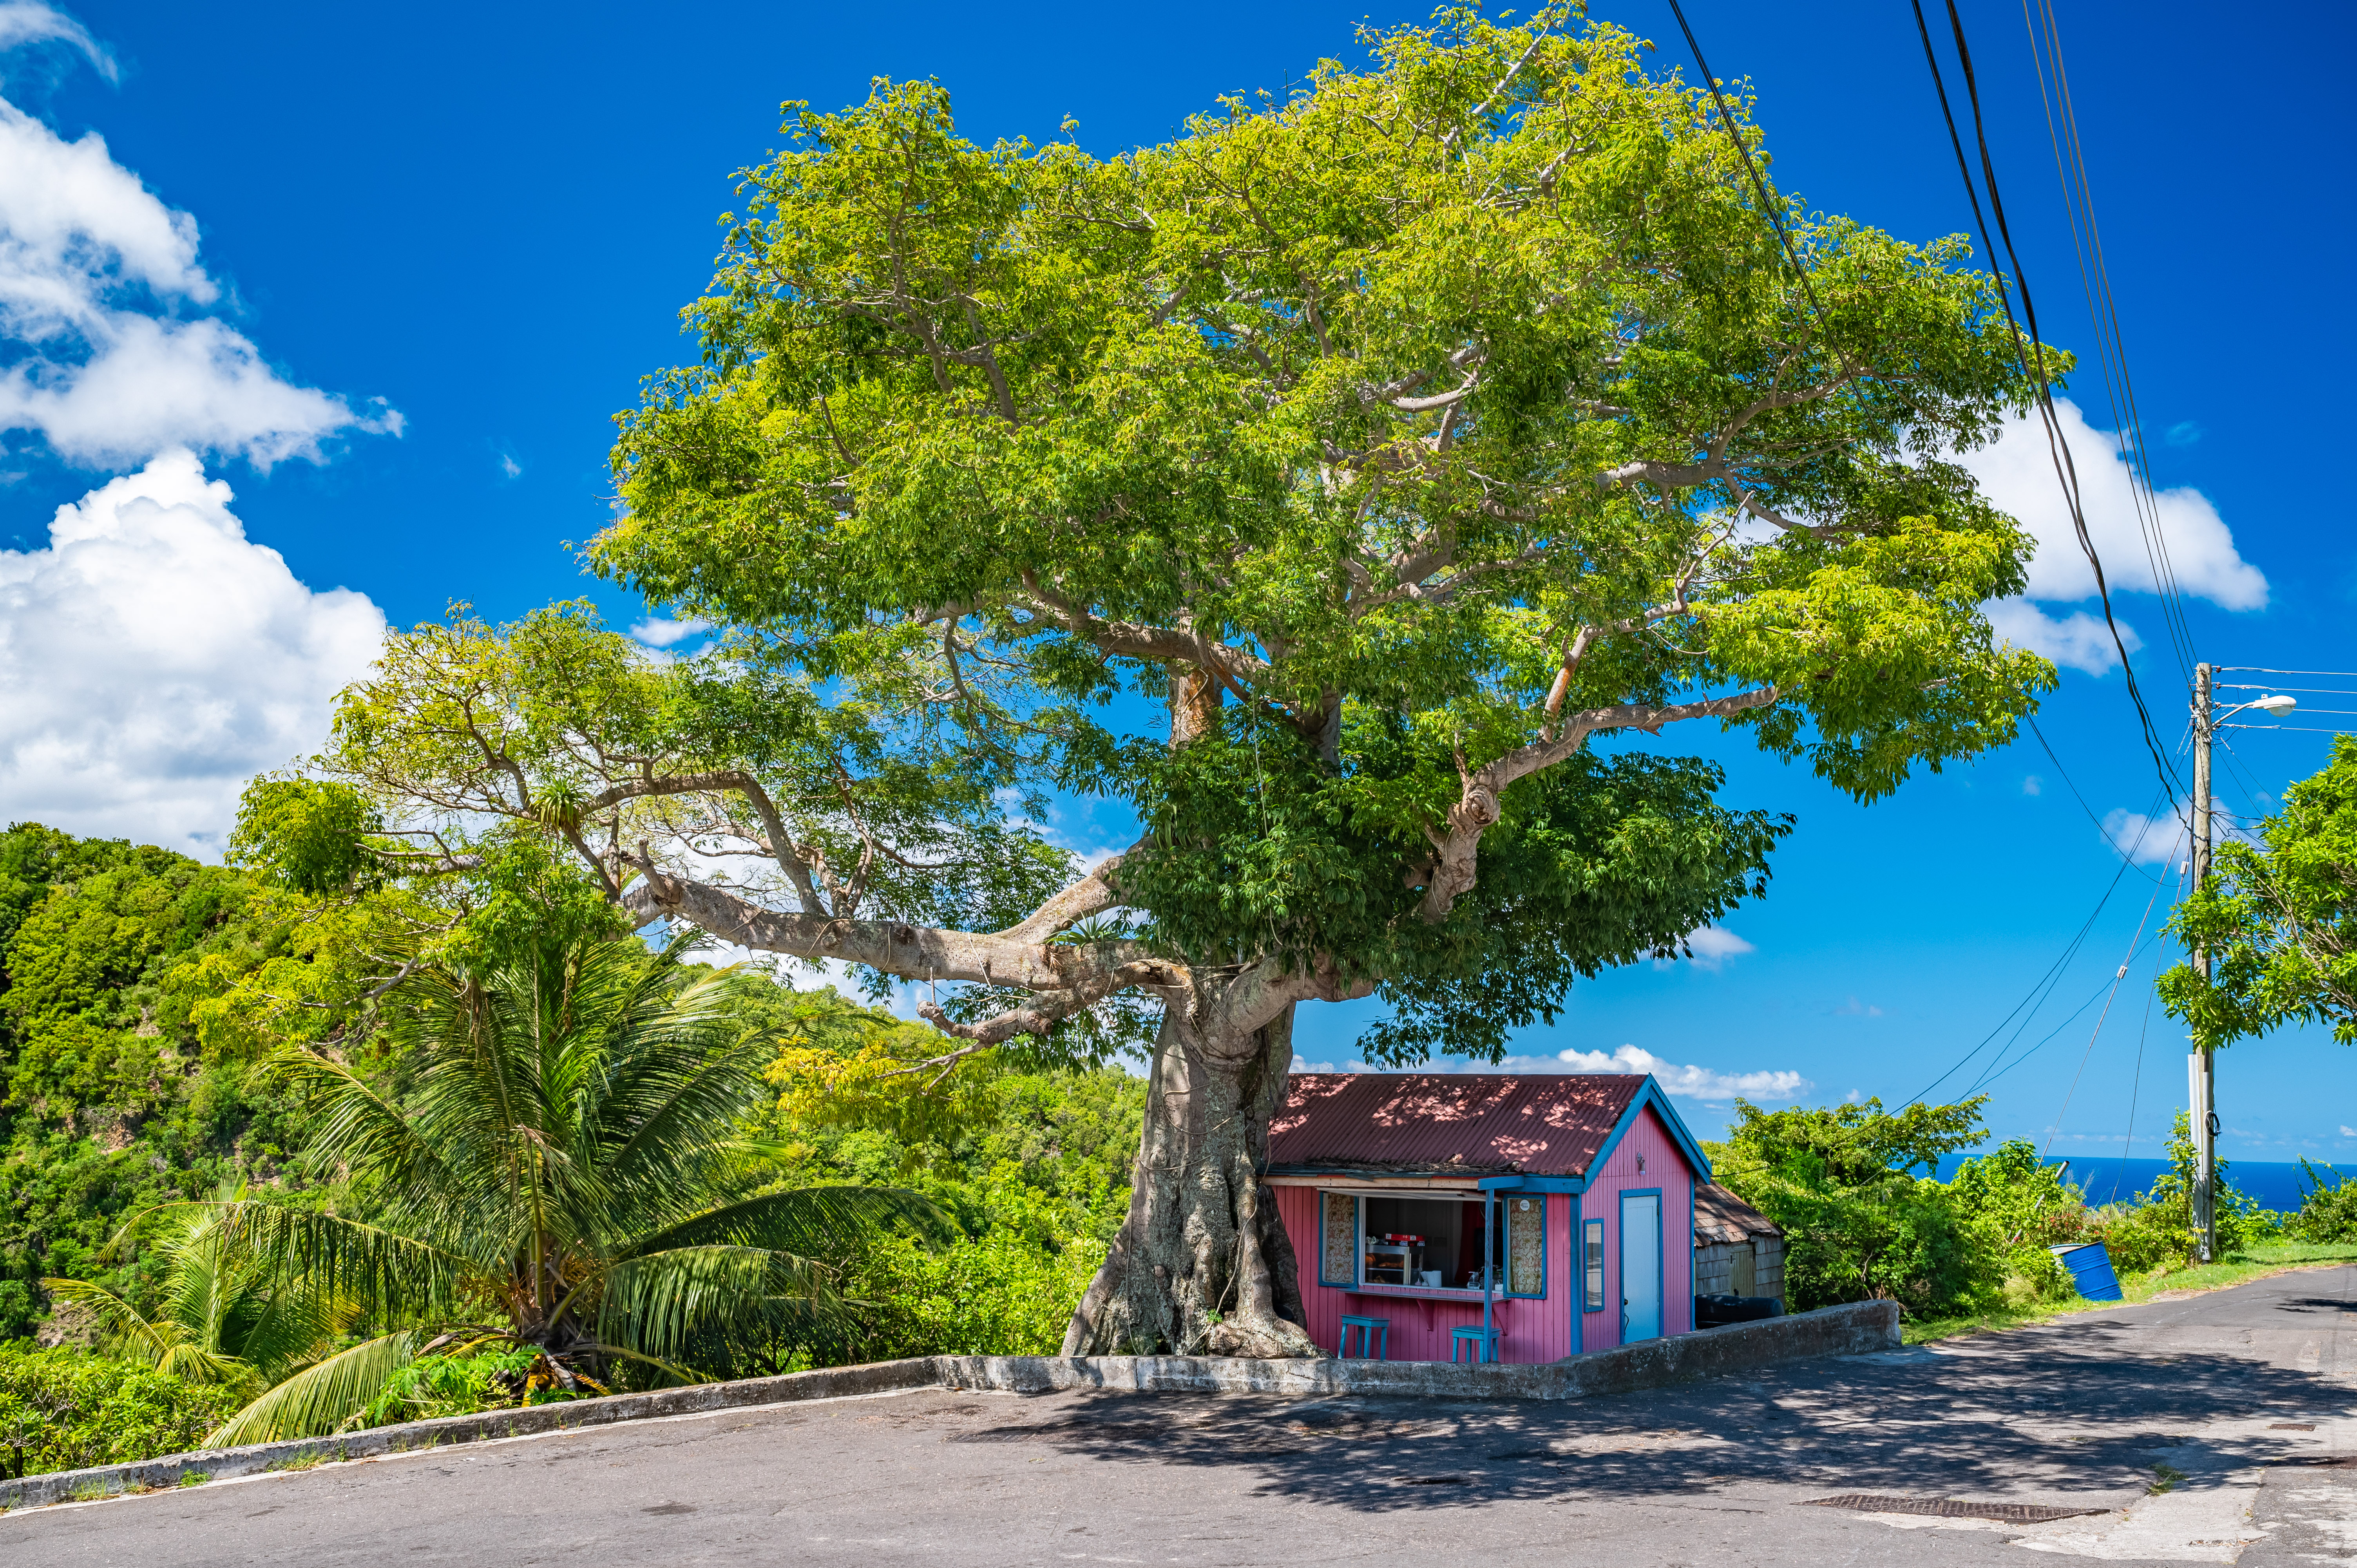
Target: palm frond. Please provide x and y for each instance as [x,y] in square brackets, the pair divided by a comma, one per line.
[120,1327]
[319,1400]
[810,1221]
[662,1303]
[375,1270]
[353,1124]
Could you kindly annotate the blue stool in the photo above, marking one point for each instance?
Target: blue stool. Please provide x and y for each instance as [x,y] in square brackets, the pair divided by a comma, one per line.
[1375,1337]
[1484,1343]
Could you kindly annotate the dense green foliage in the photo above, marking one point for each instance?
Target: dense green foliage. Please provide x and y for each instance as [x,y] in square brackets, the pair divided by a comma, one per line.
[1033,1166]
[1859,1223]
[224,1315]
[2328,1209]
[2278,919]
[78,1410]
[113,1096]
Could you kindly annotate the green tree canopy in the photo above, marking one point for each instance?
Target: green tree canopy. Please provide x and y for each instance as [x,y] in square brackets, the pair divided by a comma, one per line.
[2278,919]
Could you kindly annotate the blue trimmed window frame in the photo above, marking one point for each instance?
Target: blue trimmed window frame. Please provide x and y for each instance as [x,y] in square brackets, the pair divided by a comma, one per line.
[1505,1239]
[1591,1235]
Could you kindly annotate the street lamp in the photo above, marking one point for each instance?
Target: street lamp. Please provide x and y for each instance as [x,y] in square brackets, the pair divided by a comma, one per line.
[2273,707]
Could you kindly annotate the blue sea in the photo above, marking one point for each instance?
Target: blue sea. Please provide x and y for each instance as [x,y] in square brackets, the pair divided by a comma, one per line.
[2275,1184]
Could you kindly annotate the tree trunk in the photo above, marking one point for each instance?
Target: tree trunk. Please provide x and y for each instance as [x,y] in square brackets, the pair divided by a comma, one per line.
[1202,1265]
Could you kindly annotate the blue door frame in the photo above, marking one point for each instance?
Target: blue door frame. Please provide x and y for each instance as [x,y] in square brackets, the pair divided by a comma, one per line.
[1661,1281]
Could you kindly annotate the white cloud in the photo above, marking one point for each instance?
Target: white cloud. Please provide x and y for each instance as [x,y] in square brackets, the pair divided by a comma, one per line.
[2163,840]
[2347,1132]
[2076,641]
[1709,947]
[1690,1082]
[661,633]
[2017,470]
[2146,841]
[1854,1008]
[153,658]
[2032,784]
[509,469]
[98,279]
[25,22]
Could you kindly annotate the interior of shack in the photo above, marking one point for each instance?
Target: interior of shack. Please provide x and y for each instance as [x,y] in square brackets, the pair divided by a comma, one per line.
[1432,1242]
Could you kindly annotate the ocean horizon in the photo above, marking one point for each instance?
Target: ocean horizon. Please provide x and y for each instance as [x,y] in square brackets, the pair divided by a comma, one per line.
[2276,1184]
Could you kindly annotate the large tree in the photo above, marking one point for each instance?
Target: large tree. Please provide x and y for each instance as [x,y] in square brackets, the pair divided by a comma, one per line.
[1429,440]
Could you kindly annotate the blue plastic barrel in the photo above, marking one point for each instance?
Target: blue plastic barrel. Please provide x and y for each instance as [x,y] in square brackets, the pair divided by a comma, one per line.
[2090,1270]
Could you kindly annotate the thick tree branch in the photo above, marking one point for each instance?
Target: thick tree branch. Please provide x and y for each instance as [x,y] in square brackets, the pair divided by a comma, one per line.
[911,952]
[1478,808]
[1092,895]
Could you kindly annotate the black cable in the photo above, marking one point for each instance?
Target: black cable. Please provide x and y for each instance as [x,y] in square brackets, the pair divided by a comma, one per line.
[2079,199]
[2058,447]
[2035,999]
[1727,119]
[2048,750]
[1993,1072]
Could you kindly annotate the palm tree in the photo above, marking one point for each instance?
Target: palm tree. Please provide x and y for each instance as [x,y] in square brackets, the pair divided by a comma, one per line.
[223,1319]
[564,1176]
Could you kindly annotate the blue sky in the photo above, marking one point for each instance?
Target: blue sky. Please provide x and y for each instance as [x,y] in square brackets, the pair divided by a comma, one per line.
[449,240]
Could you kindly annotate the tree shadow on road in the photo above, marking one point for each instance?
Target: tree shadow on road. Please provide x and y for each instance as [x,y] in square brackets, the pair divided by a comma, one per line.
[2061,1413]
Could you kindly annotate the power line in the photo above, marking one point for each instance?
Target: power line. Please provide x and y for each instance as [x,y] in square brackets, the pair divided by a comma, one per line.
[2263,670]
[1992,1072]
[2136,1084]
[2057,447]
[2075,795]
[2134,945]
[1758,185]
[2111,345]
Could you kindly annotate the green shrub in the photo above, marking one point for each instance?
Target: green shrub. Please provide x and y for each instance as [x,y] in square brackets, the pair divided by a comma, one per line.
[1857,1224]
[2157,1230]
[999,1294]
[2328,1210]
[434,1386]
[81,1410]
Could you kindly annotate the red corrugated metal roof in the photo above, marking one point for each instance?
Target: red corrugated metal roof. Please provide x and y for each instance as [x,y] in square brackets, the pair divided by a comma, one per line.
[1534,1124]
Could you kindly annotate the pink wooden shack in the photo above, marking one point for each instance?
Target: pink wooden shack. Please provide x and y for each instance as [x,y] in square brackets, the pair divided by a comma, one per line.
[1555,1211]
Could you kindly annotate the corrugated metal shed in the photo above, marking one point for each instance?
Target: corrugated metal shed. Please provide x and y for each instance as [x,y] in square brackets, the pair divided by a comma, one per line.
[1479,1123]
[1721,1217]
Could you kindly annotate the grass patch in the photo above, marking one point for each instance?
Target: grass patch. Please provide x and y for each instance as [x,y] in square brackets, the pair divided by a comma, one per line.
[2164,1480]
[310,1459]
[2239,1268]
[194,1478]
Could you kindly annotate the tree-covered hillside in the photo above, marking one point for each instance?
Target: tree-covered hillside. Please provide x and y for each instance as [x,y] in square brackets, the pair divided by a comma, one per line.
[108,1098]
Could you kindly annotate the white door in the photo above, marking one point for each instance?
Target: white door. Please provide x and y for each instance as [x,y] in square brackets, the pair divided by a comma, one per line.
[1641,1267]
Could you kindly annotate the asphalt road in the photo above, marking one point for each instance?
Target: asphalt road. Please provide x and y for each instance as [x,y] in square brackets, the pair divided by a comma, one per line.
[2241,1404]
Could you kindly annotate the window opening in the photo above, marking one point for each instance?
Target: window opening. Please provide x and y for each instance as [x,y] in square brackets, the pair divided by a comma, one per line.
[1338,1250]
[1434,1244]
[1593,1250]
[1525,1261]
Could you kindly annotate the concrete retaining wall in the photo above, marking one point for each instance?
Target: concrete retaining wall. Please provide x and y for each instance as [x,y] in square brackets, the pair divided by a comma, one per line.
[1742,1347]
[1849,1330]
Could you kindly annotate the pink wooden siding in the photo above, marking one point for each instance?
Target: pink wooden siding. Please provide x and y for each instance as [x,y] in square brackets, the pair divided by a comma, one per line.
[1665,1168]
[1535,1329]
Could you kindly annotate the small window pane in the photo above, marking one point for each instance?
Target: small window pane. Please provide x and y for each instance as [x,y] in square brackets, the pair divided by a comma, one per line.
[1594,1251]
[1527,1245]
[1338,1264]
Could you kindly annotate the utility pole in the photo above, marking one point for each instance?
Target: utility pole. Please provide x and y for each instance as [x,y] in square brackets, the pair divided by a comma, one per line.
[2201,1097]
